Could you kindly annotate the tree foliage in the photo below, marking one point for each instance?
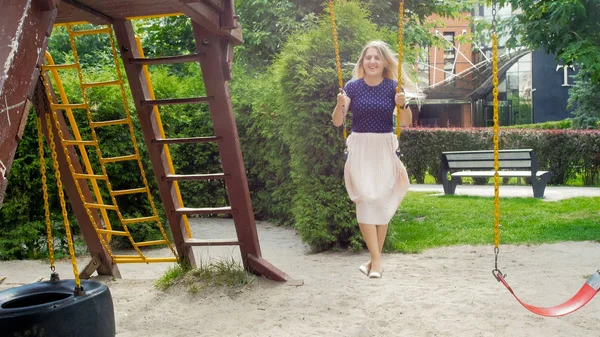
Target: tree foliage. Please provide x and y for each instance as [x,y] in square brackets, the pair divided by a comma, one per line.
[585,97]
[570,29]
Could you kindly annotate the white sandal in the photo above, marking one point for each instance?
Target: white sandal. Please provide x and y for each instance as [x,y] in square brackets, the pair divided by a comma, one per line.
[374,274]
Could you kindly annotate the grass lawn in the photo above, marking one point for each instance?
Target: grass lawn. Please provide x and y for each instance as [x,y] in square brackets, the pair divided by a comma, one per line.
[426,220]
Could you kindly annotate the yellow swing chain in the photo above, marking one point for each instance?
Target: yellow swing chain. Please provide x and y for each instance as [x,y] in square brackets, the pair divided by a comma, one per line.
[38,123]
[400,48]
[496,140]
[338,63]
[61,193]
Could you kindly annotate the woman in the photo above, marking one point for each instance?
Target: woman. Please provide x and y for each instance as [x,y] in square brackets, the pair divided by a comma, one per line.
[375,178]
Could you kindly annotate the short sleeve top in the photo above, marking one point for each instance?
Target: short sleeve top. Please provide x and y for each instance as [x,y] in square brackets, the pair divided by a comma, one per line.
[372,106]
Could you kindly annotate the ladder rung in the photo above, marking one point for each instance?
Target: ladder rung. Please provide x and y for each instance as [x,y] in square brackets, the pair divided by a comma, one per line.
[100,84]
[130,191]
[118,159]
[101,206]
[215,210]
[211,242]
[59,66]
[151,243]
[112,232]
[172,101]
[90,176]
[109,123]
[168,59]
[214,176]
[90,31]
[80,142]
[137,259]
[69,106]
[186,140]
[138,220]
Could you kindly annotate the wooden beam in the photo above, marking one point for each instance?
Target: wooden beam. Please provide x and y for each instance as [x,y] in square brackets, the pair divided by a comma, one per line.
[216,4]
[228,17]
[263,267]
[94,15]
[230,151]
[90,268]
[25,28]
[48,5]
[125,35]
[207,17]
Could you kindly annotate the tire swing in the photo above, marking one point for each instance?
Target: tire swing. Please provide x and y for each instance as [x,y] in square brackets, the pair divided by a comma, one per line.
[57,307]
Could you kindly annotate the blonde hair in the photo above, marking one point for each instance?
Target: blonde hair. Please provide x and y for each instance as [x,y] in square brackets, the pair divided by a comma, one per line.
[390,66]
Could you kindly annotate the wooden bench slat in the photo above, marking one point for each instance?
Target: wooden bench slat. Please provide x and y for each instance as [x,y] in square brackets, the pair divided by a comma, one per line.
[488,156]
[489,151]
[501,173]
[525,164]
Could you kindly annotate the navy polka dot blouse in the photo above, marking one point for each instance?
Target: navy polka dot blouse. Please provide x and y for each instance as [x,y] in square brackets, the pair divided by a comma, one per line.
[372,106]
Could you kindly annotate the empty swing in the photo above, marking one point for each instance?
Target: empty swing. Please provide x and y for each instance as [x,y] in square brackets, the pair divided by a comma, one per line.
[592,285]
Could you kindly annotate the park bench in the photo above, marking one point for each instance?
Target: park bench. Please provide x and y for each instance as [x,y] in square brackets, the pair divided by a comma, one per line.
[480,164]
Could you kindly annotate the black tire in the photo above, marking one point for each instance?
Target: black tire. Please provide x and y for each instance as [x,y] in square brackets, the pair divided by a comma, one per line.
[51,309]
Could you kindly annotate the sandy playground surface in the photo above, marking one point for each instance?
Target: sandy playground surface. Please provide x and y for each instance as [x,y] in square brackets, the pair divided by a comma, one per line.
[441,292]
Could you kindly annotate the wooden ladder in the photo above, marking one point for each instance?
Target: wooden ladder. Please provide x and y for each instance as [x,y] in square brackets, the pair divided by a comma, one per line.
[214,53]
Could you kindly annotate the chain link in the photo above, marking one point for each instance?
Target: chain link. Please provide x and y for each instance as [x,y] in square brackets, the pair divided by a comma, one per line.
[338,63]
[494,12]
[400,58]
[38,123]
[59,185]
[496,137]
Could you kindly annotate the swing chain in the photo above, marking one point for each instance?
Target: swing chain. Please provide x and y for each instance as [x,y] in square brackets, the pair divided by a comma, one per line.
[494,12]
[496,272]
[53,275]
[47,109]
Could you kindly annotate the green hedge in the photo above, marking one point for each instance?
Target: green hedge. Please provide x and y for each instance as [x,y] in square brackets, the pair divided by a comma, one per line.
[562,124]
[566,153]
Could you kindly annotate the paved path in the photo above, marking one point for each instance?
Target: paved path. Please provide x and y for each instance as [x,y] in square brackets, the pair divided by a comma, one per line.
[553,193]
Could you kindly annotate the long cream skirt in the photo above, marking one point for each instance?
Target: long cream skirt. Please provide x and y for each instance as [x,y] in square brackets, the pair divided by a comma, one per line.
[376,180]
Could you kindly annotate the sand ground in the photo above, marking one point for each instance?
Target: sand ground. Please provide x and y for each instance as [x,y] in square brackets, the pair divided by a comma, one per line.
[441,292]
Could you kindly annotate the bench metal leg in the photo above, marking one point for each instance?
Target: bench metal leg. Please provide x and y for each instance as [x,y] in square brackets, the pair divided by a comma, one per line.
[539,186]
[449,185]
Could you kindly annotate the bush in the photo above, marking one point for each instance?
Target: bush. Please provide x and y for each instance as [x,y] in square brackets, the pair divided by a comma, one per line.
[563,125]
[266,156]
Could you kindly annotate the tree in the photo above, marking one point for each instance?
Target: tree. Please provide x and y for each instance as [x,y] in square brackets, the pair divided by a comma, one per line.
[266,24]
[585,95]
[568,28]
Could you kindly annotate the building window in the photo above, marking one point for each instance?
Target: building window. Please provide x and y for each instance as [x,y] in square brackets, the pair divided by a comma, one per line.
[449,55]
[423,68]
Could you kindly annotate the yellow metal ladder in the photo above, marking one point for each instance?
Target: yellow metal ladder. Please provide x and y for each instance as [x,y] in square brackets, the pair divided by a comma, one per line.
[104,232]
